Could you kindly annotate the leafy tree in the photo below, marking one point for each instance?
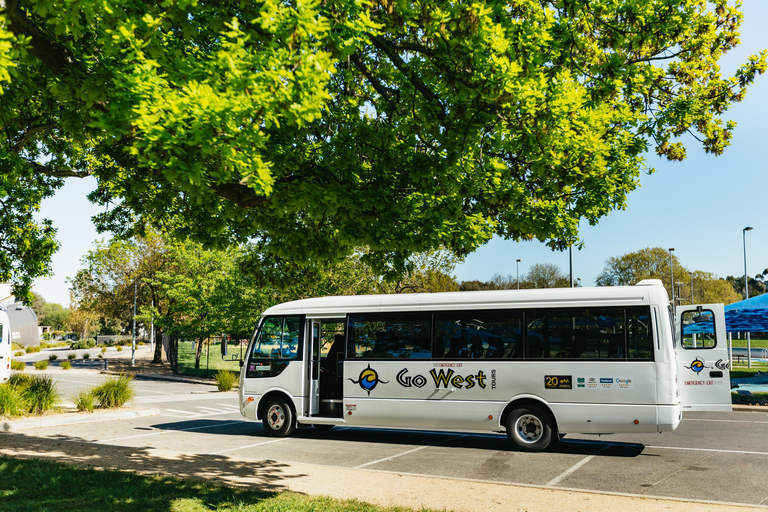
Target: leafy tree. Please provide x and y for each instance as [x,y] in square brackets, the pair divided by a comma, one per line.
[757,284]
[545,275]
[649,263]
[654,263]
[319,127]
[709,289]
[56,316]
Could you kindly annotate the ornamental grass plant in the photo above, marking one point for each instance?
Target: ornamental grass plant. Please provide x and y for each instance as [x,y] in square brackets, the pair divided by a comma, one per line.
[225,380]
[114,392]
[11,402]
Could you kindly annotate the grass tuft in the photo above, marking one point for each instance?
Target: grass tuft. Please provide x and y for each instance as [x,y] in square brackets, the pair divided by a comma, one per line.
[225,380]
[114,392]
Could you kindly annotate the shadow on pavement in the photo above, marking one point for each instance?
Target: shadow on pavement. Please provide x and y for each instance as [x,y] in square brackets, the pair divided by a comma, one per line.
[266,475]
[406,438]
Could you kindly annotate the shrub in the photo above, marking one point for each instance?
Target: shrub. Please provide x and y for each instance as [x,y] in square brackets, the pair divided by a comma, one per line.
[41,365]
[40,394]
[65,365]
[53,357]
[85,401]
[103,350]
[19,353]
[101,356]
[225,380]
[19,380]
[16,346]
[29,350]
[119,348]
[11,402]
[86,355]
[18,365]
[114,392]
[71,356]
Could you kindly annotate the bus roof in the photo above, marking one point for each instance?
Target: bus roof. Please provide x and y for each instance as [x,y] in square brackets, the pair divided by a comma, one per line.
[644,293]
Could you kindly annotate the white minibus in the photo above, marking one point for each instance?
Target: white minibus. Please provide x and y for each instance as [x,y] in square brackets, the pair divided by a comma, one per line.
[536,364]
[5,346]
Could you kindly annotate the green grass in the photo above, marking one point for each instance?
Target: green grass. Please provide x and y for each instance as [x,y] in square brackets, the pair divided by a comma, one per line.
[208,365]
[754,342]
[37,485]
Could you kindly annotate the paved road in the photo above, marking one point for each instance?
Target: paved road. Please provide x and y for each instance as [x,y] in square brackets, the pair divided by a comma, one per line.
[712,456]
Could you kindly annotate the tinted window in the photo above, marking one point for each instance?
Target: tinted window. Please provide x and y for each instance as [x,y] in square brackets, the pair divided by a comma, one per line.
[588,333]
[698,329]
[390,336]
[278,338]
[479,335]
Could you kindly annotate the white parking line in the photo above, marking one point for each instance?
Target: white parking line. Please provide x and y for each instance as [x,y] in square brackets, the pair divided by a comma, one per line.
[407,452]
[740,452]
[726,421]
[249,446]
[576,466]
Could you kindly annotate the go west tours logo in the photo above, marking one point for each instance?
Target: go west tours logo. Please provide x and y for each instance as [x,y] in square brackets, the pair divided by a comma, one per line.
[368,379]
[697,365]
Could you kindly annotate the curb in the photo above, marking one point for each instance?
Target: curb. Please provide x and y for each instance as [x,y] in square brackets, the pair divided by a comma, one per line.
[158,376]
[76,418]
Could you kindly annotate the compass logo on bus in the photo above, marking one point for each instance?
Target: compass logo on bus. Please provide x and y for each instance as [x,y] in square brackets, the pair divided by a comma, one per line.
[368,379]
[697,365]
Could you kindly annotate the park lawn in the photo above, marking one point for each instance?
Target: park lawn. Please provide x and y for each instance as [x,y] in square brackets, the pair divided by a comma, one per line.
[210,360]
[38,485]
[754,343]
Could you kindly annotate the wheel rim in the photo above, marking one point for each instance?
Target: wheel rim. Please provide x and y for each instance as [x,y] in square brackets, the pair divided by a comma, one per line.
[529,428]
[276,417]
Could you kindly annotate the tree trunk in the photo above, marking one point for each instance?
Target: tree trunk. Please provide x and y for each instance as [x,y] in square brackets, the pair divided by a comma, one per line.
[158,347]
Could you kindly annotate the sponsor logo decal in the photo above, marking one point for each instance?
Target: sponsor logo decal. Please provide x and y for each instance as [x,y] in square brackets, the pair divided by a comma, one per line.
[368,379]
[720,365]
[558,382]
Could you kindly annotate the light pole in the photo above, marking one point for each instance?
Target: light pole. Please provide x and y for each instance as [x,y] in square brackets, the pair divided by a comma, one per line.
[518,272]
[746,281]
[672,273]
[691,288]
[133,341]
[570,256]
[746,291]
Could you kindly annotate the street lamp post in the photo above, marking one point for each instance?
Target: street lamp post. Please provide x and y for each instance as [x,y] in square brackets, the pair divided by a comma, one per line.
[133,341]
[672,273]
[518,272]
[691,288]
[746,291]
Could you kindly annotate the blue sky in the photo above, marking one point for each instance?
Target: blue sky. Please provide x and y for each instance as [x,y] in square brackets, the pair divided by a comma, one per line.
[698,206]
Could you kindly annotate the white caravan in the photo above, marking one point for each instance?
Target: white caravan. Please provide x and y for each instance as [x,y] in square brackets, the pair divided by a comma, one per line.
[5,346]
[536,364]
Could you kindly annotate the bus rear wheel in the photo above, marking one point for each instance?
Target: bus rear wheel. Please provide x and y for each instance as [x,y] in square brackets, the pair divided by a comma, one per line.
[278,420]
[530,428]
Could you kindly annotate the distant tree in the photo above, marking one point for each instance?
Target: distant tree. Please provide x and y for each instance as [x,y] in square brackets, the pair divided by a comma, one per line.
[545,275]
[758,285]
[633,267]
[38,306]
[476,285]
[708,289]
[56,316]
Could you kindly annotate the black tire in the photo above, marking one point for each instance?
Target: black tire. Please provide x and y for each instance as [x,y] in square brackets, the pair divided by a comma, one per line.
[322,428]
[278,420]
[530,428]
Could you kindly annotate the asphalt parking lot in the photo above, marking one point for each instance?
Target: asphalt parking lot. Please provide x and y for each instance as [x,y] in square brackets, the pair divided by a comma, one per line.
[720,457]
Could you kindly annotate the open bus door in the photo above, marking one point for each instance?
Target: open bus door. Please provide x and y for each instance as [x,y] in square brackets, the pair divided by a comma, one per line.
[702,358]
[313,368]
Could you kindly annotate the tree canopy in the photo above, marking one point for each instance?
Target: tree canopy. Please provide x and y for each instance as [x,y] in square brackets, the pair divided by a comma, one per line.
[657,263]
[315,128]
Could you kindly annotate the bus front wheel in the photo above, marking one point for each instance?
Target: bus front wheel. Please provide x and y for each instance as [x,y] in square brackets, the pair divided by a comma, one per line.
[530,428]
[278,418]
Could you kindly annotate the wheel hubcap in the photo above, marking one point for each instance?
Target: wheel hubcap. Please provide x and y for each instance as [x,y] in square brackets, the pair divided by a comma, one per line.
[529,428]
[276,417]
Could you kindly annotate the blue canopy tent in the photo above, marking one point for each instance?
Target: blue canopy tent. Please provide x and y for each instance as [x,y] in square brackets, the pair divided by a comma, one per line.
[750,315]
